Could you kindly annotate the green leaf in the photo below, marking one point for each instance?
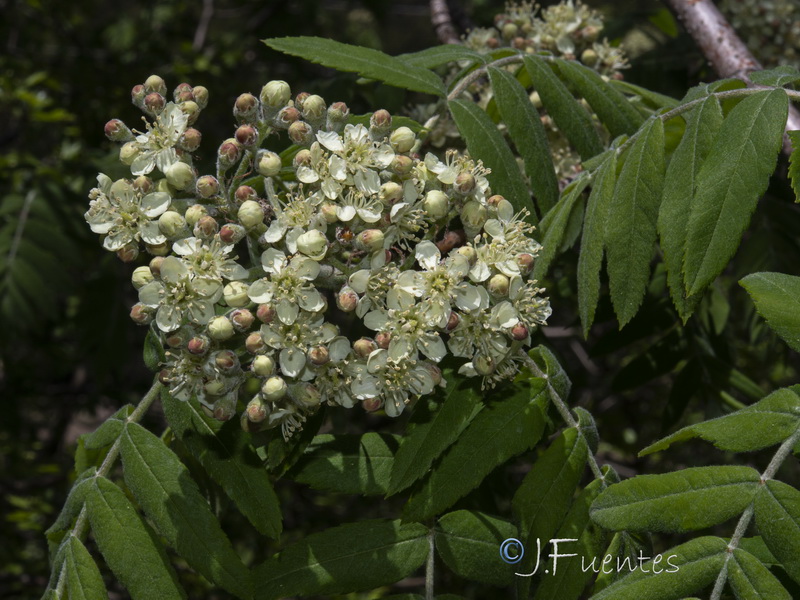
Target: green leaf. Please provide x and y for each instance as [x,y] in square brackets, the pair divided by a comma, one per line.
[427,441]
[348,463]
[777,511]
[153,352]
[545,494]
[129,546]
[776,298]
[568,114]
[684,500]
[590,260]
[511,424]
[468,543]
[441,55]
[703,123]
[226,455]
[109,430]
[486,143]
[794,163]
[364,61]
[84,581]
[730,182]
[654,99]
[71,509]
[631,222]
[527,132]
[750,580]
[556,375]
[681,571]
[625,549]
[172,501]
[554,226]
[777,77]
[611,107]
[766,423]
[349,558]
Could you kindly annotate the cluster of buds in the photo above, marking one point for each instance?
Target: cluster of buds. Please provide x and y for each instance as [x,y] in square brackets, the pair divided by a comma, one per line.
[770,29]
[365,264]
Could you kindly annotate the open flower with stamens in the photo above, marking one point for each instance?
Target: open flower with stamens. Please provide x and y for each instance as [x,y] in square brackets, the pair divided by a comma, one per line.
[372,286]
[355,159]
[367,207]
[294,215]
[334,378]
[289,283]
[393,381]
[157,146]
[209,259]
[293,340]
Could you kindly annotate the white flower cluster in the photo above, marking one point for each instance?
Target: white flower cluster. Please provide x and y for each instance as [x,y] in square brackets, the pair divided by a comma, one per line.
[368,264]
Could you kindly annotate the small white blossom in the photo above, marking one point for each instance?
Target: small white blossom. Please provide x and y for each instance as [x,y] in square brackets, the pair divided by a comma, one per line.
[157,146]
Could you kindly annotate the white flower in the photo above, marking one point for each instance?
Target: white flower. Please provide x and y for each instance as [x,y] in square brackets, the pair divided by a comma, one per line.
[288,285]
[478,332]
[293,341]
[209,259]
[531,308]
[157,146]
[367,207]
[333,379]
[392,381]
[293,217]
[355,159]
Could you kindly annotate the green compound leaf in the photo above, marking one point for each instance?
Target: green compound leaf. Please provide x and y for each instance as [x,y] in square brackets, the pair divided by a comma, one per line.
[685,500]
[730,182]
[84,581]
[226,455]
[680,572]
[441,55]
[653,99]
[568,114]
[172,501]
[777,511]
[611,107]
[590,260]
[348,463]
[556,375]
[349,558]
[426,442]
[777,77]
[153,352]
[766,423]
[364,61]
[794,163]
[486,143]
[776,298]
[527,132]
[469,541]
[109,430]
[129,546]
[507,427]
[703,123]
[555,224]
[70,511]
[751,580]
[631,222]
[620,558]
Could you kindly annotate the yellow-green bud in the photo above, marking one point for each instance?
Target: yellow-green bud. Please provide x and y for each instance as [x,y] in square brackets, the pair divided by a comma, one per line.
[436,204]
[465,182]
[469,253]
[206,227]
[172,224]
[220,329]
[180,175]
[301,133]
[256,410]
[200,94]
[250,214]
[156,84]
[313,244]
[509,31]
[391,193]
[207,186]
[498,285]
[402,139]
[254,343]
[364,347]
[484,365]
[401,164]
[314,108]
[276,93]
[156,249]
[328,211]
[269,164]
[263,365]
[191,110]
[128,153]
[473,215]
[193,214]
[589,57]
[370,240]
[235,294]
[274,388]
[215,387]
[141,277]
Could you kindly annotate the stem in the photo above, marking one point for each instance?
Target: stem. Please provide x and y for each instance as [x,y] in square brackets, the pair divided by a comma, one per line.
[443,23]
[478,73]
[81,523]
[429,567]
[563,410]
[744,521]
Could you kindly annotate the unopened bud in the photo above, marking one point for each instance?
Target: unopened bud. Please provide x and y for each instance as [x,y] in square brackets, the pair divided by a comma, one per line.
[371,404]
[247,136]
[301,133]
[484,365]
[137,95]
[194,213]
[235,294]
[519,332]
[141,277]
[154,103]
[402,139]
[200,94]
[155,266]
[337,115]
[263,365]
[306,395]
[180,90]
[180,175]
[242,319]
[347,299]
[254,343]
[117,131]
[370,240]
[229,152]
[328,211]
[128,253]
[265,313]
[250,214]
[274,388]
[198,345]
[215,387]
[391,193]
[161,249]
[191,110]
[190,140]
[286,116]
[220,329]
[453,321]
[509,31]
[473,215]
[313,109]
[231,233]
[436,204]
[363,347]
[318,355]
[313,244]
[589,57]
[155,84]
[176,339]
[172,225]
[128,153]
[469,253]
[302,158]
[269,164]
[276,93]
[206,227]
[498,285]
[382,339]
[226,360]
[401,165]
[380,123]
[465,182]
[141,314]
[245,109]
[207,186]
[244,193]
[256,410]
[525,262]
[143,184]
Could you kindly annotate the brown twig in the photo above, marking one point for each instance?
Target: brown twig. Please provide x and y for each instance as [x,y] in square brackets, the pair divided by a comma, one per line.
[723,48]
[443,23]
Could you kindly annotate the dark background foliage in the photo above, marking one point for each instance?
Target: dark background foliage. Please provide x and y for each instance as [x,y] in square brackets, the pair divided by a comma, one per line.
[69,355]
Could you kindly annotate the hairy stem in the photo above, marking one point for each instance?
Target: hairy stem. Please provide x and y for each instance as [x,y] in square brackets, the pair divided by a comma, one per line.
[429,566]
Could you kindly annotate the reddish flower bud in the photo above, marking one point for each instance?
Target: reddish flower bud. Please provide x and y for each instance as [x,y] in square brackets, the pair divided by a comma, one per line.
[226,360]
[207,186]
[190,140]
[242,319]
[256,410]
[318,355]
[230,152]
[247,136]
[265,313]
[200,94]
[244,193]
[381,120]
[143,184]
[452,321]
[519,332]
[231,233]
[364,347]
[286,116]
[525,262]
[117,131]
[137,95]
[154,103]
[371,404]
[465,183]
[347,299]
[128,253]
[206,227]
[181,88]
[198,345]
[141,314]
[254,343]
[302,158]
[382,339]
[301,133]
[245,109]
[338,112]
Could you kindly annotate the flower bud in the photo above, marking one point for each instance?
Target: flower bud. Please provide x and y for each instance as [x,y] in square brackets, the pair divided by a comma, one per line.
[509,31]
[380,123]
[269,164]
[383,338]
[469,253]
[180,175]
[347,299]
[128,153]
[141,314]
[453,321]
[155,266]
[231,233]
[247,136]
[370,240]
[206,227]
[180,90]
[137,96]
[286,116]
[276,93]
[247,425]
[402,139]
[256,410]
[235,294]
[141,277]
[117,131]
[337,116]
[194,213]
[519,332]
[190,140]
[401,165]
[484,365]
[176,339]
[391,193]
[143,184]
[250,214]
[245,109]
[318,355]
[302,158]
[154,84]
[244,193]
[434,371]
[371,404]
[215,387]
[172,225]
[265,313]
[274,388]
[198,345]
[525,262]
[242,319]
[254,343]
[473,215]
[200,94]
[364,346]
[220,329]
[436,204]
[313,244]
[313,109]
[498,285]
[207,186]
[229,152]
[328,211]
[465,183]
[305,395]
[128,253]
[191,110]
[263,365]
[157,249]
[301,133]
[154,103]
[589,57]
[226,361]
